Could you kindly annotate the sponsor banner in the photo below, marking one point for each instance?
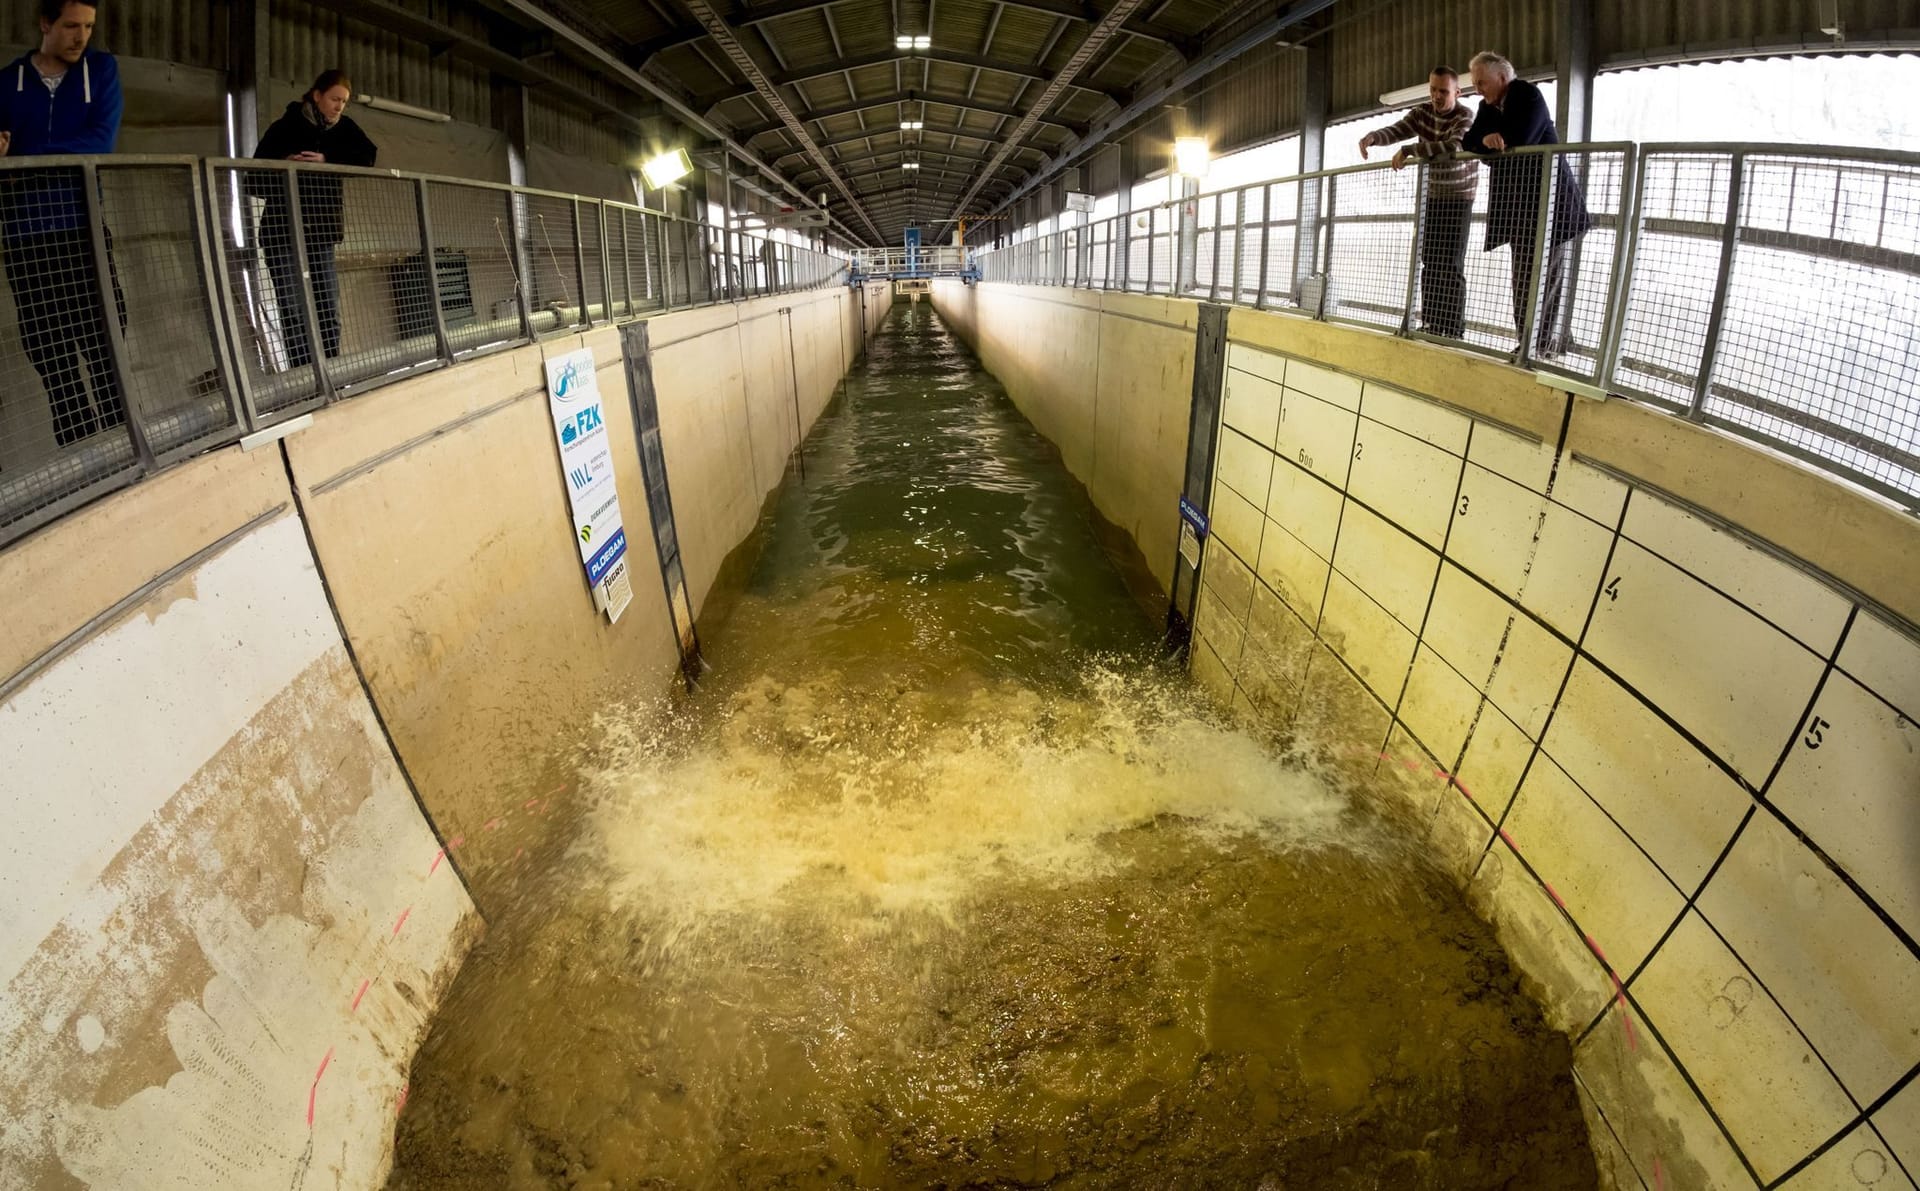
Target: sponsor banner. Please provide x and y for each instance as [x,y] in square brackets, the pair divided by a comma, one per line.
[586,461]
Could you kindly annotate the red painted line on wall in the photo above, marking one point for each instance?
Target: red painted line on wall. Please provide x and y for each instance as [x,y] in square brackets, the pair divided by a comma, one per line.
[1462,787]
[402,1106]
[1659,1174]
[1509,839]
[356,996]
[401,921]
[437,858]
[1553,893]
[492,824]
[313,1089]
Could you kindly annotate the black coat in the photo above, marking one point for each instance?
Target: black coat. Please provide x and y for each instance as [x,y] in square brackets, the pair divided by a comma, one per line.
[1513,183]
[320,192]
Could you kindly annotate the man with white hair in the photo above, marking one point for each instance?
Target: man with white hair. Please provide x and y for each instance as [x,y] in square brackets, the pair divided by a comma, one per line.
[1513,114]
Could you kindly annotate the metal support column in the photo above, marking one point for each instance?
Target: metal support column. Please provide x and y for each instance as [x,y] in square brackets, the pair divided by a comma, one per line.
[726,229]
[247,25]
[1317,91]
[1573,68]
[1187,269]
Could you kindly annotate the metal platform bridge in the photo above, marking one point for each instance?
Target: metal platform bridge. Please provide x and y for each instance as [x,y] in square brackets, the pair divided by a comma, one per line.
[912,263]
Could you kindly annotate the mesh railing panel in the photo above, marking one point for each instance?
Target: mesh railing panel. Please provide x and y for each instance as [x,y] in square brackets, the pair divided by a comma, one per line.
[1683,219]
[265,287]
[593,283]
[477,270]
[1571,318]
[1816,349]
[174,375]
[63,424]
[1371,245]
[366,268]
[553,272]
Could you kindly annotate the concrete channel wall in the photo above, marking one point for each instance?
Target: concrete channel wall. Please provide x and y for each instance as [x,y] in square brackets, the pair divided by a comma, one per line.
[225,920]
[1648,691]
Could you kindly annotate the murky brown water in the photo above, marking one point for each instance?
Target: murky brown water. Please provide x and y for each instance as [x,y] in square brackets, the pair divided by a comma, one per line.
[943,880]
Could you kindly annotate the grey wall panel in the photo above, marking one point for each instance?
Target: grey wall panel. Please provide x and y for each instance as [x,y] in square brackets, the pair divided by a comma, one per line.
[1254,100]
[1386,48]
[1640,30]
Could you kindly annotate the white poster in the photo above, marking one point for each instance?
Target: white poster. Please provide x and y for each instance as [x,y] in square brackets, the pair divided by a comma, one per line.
[586,458]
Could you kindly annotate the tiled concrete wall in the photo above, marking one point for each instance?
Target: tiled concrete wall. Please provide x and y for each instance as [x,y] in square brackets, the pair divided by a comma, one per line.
[1679,772]
[1108,378]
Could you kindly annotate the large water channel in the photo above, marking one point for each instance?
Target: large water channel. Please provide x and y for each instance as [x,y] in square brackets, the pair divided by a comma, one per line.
[944,878]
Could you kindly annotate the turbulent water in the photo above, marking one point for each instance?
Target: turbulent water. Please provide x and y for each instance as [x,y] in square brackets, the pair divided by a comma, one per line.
[943,878]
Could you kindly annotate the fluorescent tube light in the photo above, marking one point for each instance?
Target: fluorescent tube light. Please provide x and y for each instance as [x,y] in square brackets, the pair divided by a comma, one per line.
[403,109]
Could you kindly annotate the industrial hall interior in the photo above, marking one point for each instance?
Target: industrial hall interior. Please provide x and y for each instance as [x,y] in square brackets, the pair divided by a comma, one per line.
[1263,595]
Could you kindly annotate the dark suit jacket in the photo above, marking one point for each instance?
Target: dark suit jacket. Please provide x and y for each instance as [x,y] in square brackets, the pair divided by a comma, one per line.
[1513,182]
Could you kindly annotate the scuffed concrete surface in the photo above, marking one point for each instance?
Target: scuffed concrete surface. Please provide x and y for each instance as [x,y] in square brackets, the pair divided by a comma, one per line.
[169,1031]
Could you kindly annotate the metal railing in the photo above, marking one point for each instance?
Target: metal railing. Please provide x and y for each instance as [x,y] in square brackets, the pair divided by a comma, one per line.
[1791,324]
[158,306]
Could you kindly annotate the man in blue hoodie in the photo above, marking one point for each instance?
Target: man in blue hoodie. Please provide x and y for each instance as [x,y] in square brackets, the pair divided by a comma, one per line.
[62,98]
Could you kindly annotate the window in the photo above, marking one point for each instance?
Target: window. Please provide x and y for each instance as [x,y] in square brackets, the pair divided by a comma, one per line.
[1152,194]
[1832,100]
[1276,159]
[1106,206]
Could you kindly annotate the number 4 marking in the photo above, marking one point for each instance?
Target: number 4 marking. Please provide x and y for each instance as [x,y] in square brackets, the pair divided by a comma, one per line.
[1613,588]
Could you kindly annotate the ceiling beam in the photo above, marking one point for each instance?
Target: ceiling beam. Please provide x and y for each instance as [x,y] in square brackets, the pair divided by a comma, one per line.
[1019,70]
[881,101]
[1096,39]
[718,29]
[868,134]
[1182,43]
[1215,55]
[608,64]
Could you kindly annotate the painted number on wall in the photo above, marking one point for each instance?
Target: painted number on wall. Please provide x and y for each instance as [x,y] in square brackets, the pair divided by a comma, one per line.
[1817,731]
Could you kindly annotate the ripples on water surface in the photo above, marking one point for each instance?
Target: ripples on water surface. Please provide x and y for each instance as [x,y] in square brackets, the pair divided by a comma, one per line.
[942,879]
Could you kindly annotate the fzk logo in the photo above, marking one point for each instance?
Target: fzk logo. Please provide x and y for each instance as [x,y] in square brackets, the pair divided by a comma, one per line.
[580,425]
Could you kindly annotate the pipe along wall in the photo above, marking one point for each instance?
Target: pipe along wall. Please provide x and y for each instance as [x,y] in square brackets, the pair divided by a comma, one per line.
[276,724]
[1649,693]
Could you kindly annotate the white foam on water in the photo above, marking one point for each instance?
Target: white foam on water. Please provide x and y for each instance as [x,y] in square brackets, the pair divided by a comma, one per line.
[912,800]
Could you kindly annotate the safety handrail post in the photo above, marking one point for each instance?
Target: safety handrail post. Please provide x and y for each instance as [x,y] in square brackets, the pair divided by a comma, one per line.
[443,347]
[103,291]
[1717,316]
[1542,250]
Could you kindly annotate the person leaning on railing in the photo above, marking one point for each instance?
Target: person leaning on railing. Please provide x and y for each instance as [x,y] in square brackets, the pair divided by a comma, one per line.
[314,129]
[62,98]
[1436,129]
[1514,114]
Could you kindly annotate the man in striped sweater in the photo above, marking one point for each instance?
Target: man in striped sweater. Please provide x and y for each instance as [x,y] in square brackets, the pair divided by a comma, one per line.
[1435,128]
